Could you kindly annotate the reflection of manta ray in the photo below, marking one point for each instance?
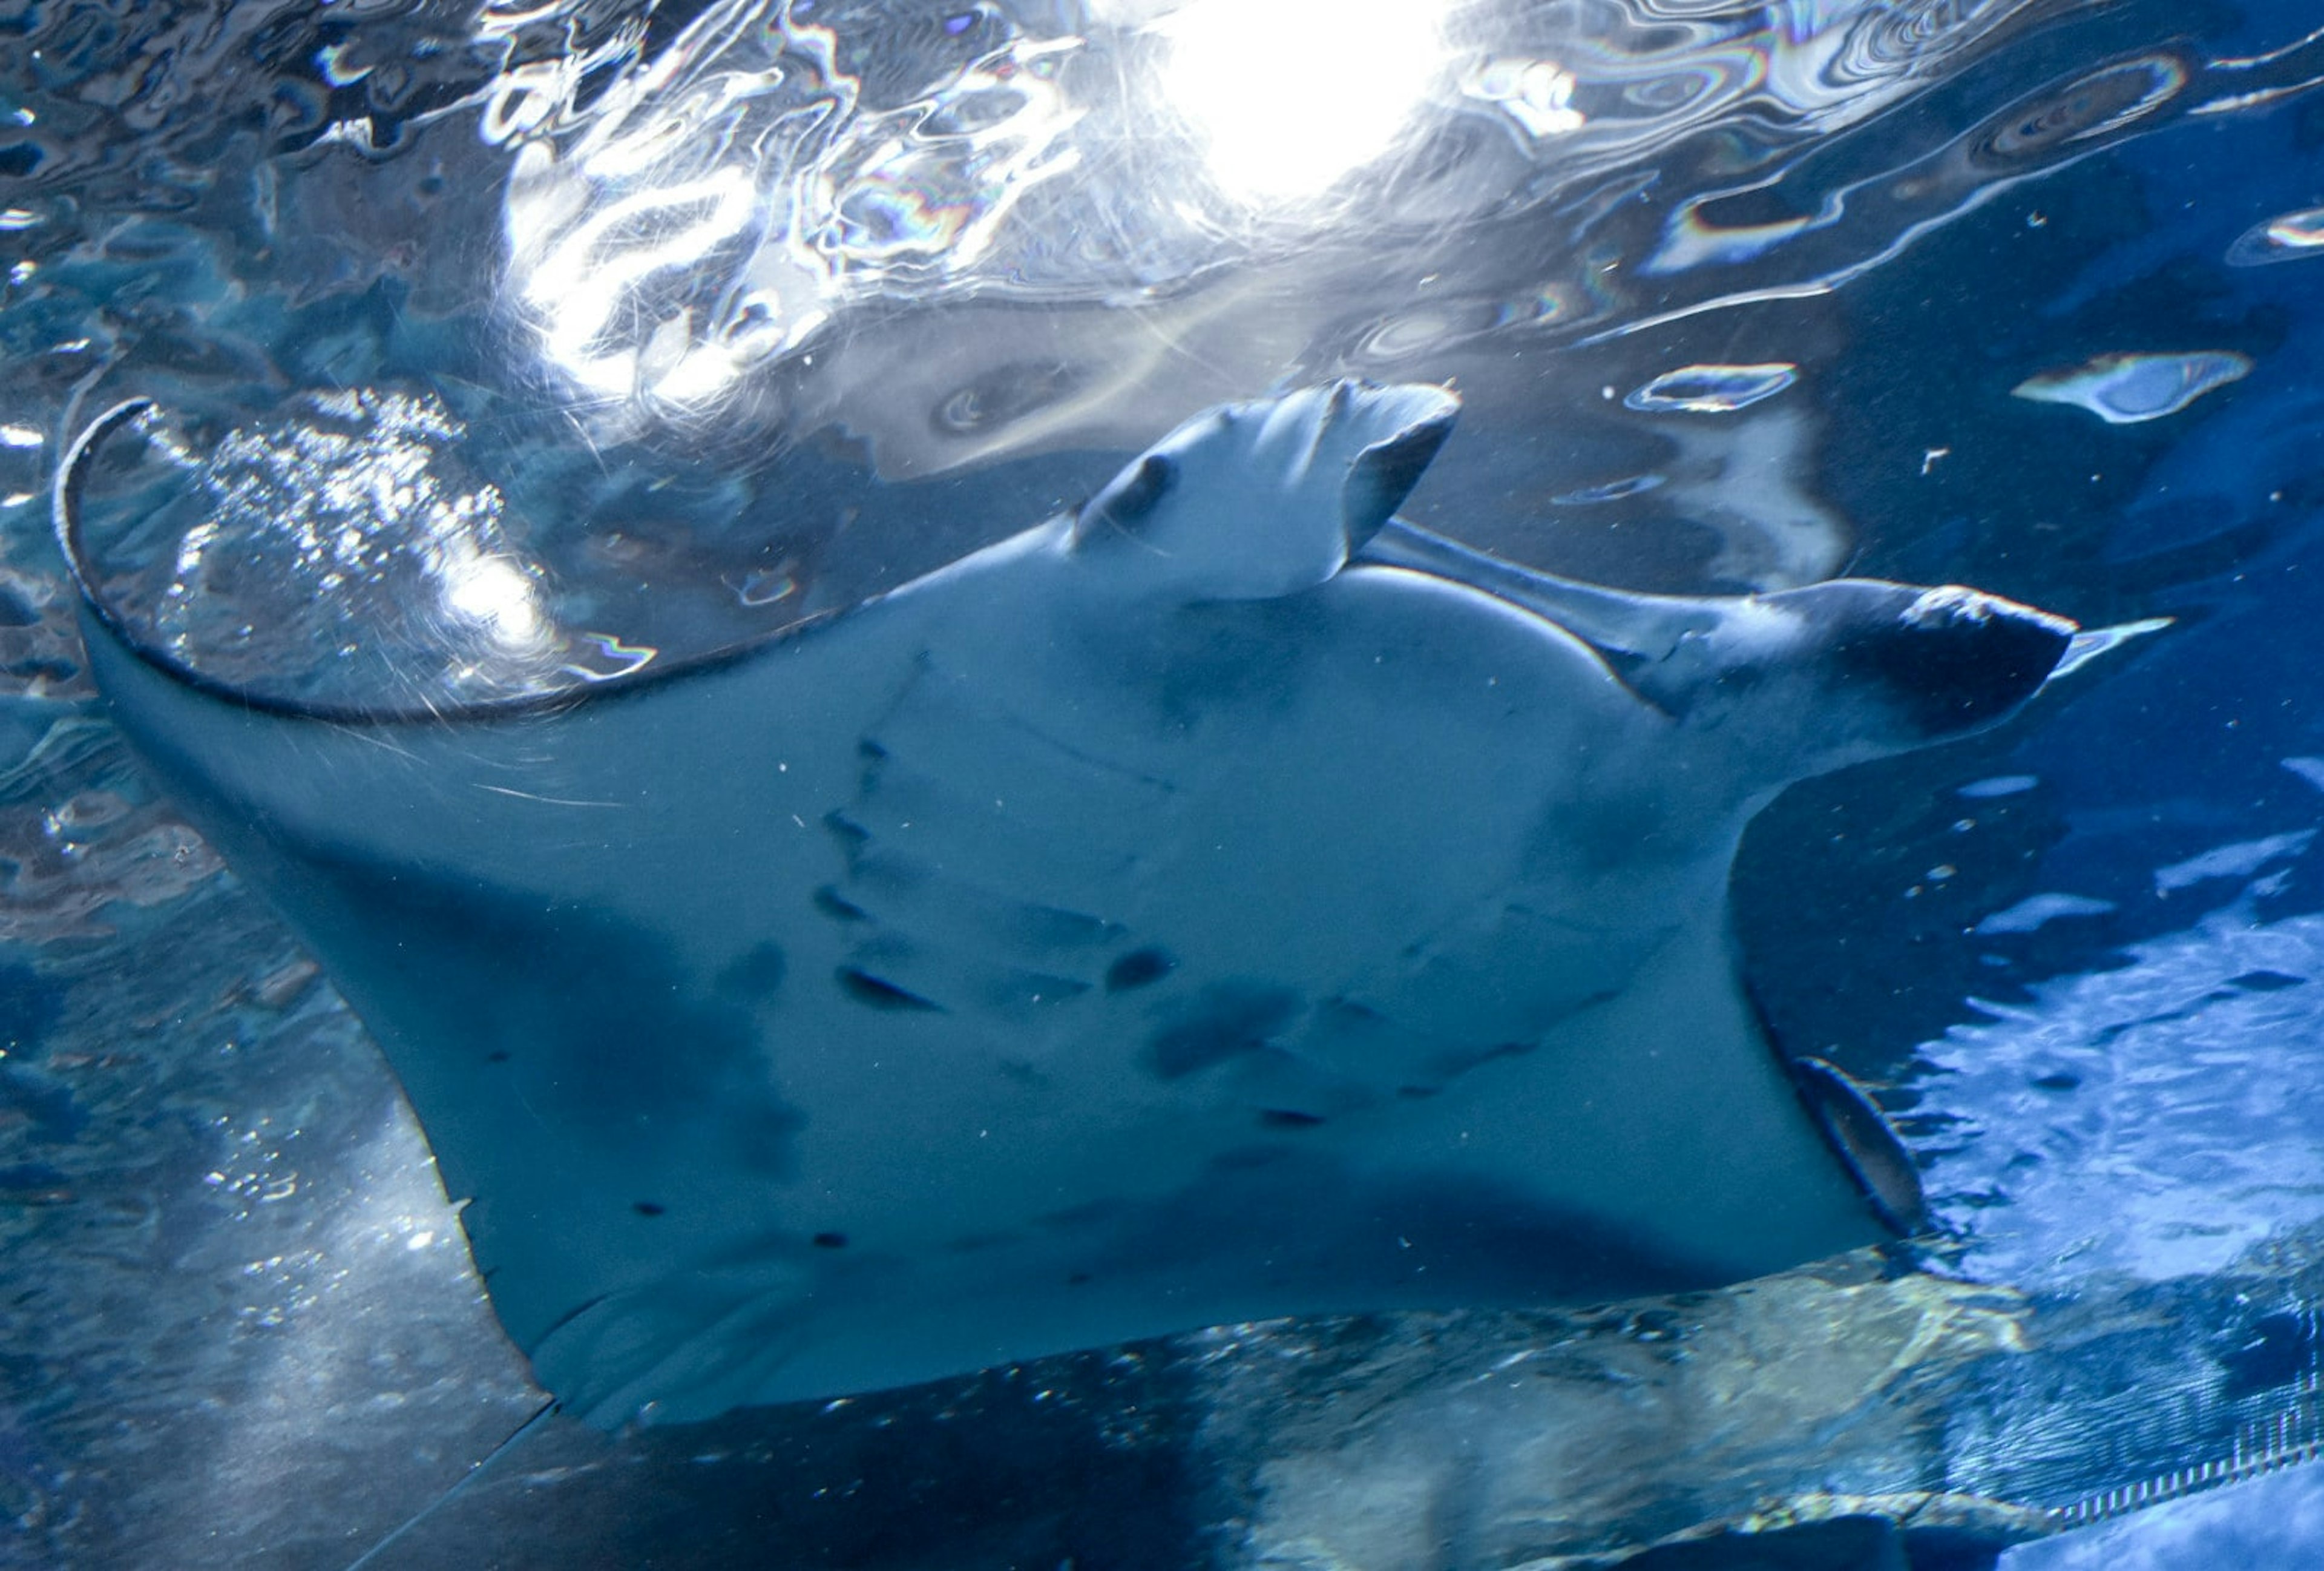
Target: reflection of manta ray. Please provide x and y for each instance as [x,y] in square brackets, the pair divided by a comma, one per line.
[1153,920]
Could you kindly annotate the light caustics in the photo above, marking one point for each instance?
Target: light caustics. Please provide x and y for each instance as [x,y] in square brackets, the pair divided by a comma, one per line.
[2125,389]
[582,285]
[1287,96]
[749,154]
[719,210]
[2286,238]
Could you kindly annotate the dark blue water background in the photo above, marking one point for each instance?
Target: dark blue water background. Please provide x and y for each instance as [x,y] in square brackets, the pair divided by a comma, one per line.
[2081,959]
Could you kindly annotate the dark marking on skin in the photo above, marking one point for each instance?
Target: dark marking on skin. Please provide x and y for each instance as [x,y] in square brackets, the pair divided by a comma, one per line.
[755,974]
[1225,655]
[1452,1066]
[874,992]
[499,1056]
[833,904]
[1231,1019]
[1078,1279]
[871,752]
[1140,968]
[852,835]
[1288,1118]
[648,1207]
[623,1038]
[830,1241]
[2265,981]
[2061,1080]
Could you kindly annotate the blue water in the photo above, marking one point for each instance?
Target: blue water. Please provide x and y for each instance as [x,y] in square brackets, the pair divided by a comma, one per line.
[687,326]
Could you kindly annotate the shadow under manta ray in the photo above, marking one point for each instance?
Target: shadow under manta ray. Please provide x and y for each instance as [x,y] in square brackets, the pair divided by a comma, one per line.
[1223,903]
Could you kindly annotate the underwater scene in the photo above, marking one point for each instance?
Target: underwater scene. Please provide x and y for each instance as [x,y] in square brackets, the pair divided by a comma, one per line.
[997,785]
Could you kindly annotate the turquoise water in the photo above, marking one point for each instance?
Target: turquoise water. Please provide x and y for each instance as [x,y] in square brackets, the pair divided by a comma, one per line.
[517,352]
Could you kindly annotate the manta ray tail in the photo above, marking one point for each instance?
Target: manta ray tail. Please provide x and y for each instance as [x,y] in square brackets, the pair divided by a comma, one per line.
[467,1480]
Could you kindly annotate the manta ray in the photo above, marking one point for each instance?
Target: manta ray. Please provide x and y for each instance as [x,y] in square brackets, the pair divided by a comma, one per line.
[1218,902]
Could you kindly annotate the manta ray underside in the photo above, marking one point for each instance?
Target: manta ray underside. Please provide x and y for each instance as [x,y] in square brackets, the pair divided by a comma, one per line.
[1223,902]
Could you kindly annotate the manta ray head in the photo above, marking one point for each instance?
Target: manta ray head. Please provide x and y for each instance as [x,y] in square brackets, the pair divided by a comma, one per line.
[1251,500]
[1849,669]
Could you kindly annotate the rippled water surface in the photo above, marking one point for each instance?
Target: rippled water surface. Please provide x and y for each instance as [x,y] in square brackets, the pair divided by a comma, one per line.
[502,352]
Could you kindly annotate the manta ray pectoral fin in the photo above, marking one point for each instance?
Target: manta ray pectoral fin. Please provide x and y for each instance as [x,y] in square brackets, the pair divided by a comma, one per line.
[1250,502]
[1955,659]
[1817,677]
[1866,666]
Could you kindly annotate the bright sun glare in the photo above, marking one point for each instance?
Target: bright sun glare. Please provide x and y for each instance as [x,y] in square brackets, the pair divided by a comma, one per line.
[1287,96]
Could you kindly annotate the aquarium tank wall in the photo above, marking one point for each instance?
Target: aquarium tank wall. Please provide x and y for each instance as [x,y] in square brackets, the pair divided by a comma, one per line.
[1354,785]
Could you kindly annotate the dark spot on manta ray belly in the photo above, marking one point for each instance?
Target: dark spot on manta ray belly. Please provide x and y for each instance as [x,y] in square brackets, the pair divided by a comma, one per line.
[833,904]
[648,1207]
[1140,968]
[621,1038]
[830,1241]
[1231,1019]
[875,993]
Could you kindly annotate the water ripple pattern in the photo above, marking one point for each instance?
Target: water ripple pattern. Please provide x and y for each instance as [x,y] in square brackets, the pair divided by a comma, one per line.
[756,191]
[504,348]
[2287,237]
[1713,389]
[2127,389]
[2155,1121]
